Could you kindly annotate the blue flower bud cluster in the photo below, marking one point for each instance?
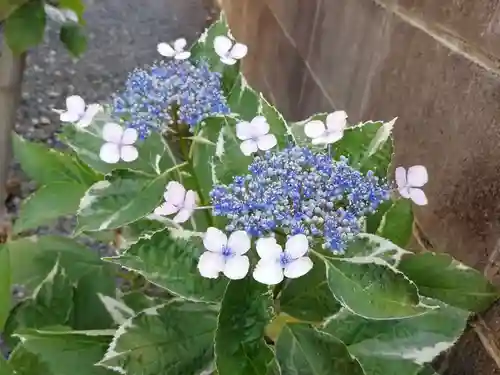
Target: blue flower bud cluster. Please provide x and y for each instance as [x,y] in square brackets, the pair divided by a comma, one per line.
[170,92]
[296,191]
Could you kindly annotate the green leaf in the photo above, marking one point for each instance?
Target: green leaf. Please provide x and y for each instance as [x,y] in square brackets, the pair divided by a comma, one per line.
[309,298]
[239,341]
[175,339]
[26,363]
[74,352]
[5,368]
[367,245]
[126,307]
[373,289]
[303,350]
[47,166]
[397,223]
[51,304]
[171,264]
[76,6]
[441,277]
[399,346]
[48,203]
[120,200]
[32,258]
[25,27]
[5,284]
[74,39]
[154,156]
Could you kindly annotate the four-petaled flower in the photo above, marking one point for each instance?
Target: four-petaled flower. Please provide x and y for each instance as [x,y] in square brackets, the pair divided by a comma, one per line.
[255,135]
[177,200]
[224,255]
[119,144]
[409,184]
[228,50]
[329,132]
[275,264]
[76,112]
[175,50]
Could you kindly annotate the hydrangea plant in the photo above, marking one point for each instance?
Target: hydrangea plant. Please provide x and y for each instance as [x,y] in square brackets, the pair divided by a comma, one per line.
[242,243]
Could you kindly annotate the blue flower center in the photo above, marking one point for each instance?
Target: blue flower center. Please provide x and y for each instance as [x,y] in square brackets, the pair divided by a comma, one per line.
[227,252]
[285,259]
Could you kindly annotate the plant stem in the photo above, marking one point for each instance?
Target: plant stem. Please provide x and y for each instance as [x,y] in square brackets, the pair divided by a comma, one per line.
[11,75]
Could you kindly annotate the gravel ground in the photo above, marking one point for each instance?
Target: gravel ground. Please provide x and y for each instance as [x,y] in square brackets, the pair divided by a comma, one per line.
[122,35]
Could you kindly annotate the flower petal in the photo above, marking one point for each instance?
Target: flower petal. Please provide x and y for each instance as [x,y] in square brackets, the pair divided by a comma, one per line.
[210,264]
[296,246]
[222,45]
[70,15]
[183,215]
[112,132]
[110,153]
[336,121]
[238,51]
[88,116]
[236,268]
[175,193]
[128,153]
[268,272]
[190,200]
[400,174]
[214,240]
[244,130]
[259,126]
[314,128]
[166,50]
[75,104]
[228,60]
[418,196]
[268,248]
[239,242]
[180,44]
[417,176]
[166,209]
[266,142]
[183,55]
[329,137]
[298,267]
[404,192]
[129,136]
[69,116]
[248,147]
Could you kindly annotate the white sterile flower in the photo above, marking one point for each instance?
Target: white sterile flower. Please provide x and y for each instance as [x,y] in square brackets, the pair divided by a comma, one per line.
[228,50]
[224,255]
[119,144]
[60,15]
[276,263]
[255,135]
[175,50]
[329,132]
[76,112]
[409,183]
[177,200]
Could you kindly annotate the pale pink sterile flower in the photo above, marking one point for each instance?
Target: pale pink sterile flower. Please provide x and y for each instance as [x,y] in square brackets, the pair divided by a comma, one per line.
[255,135]
[276,263]
[330,131]
[77,113]
[224,254]
[179,201]
[119,144]
[175,49]
[410,183]
[228,50]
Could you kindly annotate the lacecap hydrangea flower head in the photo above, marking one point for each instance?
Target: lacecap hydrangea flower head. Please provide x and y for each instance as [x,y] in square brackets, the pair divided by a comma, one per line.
[174,91]
[300,191]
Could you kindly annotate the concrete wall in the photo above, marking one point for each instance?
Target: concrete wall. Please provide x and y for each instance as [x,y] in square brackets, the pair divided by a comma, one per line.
[433,63]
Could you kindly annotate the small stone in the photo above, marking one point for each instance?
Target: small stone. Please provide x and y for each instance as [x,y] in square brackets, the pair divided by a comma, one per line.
[44,120]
